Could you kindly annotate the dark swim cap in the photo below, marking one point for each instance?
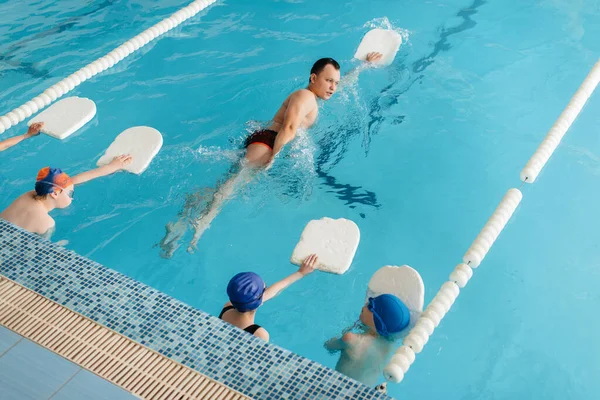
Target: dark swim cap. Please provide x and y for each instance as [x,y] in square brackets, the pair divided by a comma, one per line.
[245,291]
[389,314]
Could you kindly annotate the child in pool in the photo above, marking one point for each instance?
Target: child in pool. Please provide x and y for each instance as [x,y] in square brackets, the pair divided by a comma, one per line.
[53,189]
[363,355]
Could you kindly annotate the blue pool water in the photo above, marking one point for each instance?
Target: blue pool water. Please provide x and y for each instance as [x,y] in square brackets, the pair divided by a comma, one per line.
[418,154]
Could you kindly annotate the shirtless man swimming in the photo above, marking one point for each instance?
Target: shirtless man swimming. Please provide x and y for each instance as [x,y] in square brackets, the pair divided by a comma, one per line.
[299,110]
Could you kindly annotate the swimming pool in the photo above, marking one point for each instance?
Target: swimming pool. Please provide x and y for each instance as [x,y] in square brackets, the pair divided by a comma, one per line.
[419,160]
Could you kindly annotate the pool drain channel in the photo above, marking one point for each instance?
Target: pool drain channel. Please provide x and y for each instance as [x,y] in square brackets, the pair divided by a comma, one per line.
[110,355]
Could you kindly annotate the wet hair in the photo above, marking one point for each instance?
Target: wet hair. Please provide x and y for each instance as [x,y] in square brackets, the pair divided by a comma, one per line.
[321,64]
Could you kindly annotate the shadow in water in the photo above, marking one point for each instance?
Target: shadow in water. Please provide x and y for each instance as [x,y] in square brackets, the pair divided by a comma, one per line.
[335,142]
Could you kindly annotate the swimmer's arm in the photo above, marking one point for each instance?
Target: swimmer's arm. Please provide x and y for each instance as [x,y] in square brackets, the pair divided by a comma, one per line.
[278,287]
[352,75]
[33,130]
[337,344]
[13,141]
[298,108]
[48,234]
[307,267]
[115,165]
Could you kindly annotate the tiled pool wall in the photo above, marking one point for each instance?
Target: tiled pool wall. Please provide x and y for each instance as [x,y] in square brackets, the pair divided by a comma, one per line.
[198,340]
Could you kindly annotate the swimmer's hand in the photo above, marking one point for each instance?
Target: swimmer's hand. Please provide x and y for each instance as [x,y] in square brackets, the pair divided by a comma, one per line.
[306,268]
[309,264]
[34,129]
[374,57]
[119,162]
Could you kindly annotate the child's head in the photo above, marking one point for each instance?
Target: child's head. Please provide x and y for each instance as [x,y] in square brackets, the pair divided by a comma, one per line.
[54,184]
[386,314]
[245,291]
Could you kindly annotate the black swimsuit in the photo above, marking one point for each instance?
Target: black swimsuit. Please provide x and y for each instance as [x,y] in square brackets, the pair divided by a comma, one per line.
[250,329]
[265,136]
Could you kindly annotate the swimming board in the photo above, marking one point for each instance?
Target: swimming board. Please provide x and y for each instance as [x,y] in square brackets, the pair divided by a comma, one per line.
[384,41]
[403,282]
[334,241]
[141,142]
[65,116]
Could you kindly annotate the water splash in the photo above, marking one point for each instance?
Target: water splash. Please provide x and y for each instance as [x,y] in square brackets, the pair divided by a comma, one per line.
[293,174]
[216,154]
[384,23]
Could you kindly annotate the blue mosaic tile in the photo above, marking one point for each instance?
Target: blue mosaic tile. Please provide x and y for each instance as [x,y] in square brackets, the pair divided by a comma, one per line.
[194,338]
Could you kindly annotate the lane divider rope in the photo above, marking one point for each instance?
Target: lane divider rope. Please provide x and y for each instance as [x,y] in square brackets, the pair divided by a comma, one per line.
[419,335]
[107,61]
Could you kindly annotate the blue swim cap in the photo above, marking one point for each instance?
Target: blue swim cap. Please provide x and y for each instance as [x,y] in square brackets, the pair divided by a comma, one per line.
[245,291]
[389,314]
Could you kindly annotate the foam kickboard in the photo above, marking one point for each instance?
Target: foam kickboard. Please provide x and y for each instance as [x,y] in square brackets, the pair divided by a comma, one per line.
[384,41]
[334,241]
[403,282]
[66,116]
[141,142]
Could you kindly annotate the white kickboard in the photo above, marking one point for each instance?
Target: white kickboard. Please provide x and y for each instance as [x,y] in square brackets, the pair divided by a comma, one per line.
[403,282]
[384,41]
[334,241]
[65,116]
[141,142]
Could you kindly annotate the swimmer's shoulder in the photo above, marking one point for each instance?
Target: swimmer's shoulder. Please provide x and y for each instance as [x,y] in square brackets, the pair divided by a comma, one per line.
[349,337]
[307,96]
[303,96]
[262,333]
[355,345]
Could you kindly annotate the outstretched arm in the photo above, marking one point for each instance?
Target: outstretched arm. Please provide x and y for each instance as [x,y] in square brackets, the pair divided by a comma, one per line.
[352,76]
[115,165]
[34,130]
[306,268]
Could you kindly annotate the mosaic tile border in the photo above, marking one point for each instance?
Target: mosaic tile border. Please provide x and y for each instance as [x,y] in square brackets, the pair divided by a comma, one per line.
[195,339]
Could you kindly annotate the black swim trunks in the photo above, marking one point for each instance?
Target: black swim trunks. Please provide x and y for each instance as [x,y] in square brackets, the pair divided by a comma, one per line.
[265,136]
